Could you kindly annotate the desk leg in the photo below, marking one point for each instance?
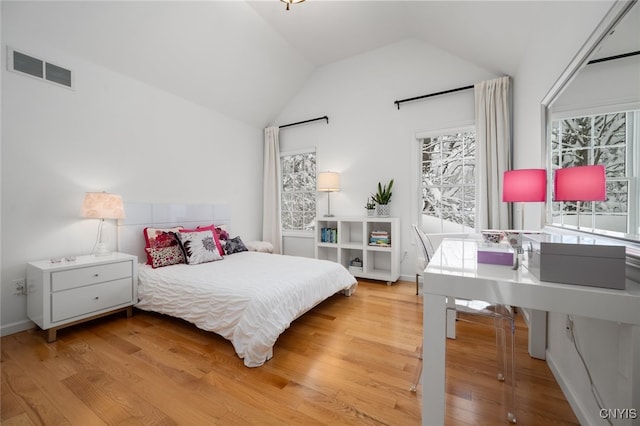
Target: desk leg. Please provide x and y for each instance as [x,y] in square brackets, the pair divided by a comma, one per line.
[629,372]
[451,317]
[538,334]
[434,350]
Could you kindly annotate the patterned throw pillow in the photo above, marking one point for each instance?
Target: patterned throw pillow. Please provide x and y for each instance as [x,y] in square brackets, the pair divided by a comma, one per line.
[216,236]
[165,256]
[222,233]
[160,238]
[234,245]
[199,247]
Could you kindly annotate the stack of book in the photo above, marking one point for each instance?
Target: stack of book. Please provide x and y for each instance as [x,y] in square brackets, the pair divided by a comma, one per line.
[328,235]
[380,239]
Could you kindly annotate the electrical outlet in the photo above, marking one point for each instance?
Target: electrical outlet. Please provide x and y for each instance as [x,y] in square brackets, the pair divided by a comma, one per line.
[20,286]
[570,328]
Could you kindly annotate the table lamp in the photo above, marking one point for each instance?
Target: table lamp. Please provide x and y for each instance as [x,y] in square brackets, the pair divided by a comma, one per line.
[524,186]
[328,182]
[102,205]
[581,183]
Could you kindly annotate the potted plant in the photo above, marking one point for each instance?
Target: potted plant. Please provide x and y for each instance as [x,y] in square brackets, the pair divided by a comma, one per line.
[370,206]
[383,198]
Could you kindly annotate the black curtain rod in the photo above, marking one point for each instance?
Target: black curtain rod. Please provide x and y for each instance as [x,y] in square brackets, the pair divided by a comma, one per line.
[305,121]
[611,58]
[444,92]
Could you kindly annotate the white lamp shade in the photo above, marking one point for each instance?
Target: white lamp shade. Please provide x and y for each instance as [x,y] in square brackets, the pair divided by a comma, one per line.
[102,205]
[328,181]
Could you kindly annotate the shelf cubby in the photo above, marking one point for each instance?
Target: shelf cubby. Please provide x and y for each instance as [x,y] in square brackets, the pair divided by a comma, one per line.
[353,234]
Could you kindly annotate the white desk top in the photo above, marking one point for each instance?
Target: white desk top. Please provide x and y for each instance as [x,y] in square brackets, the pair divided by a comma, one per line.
[453,271]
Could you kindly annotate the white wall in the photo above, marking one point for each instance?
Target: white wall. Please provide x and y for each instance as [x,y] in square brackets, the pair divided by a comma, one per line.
[602,85]
[115,134]
[120,135]
[367,139]
[549,52]
[551,49]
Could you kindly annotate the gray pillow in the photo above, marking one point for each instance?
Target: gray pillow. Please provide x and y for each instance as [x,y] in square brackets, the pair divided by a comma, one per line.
[234,245]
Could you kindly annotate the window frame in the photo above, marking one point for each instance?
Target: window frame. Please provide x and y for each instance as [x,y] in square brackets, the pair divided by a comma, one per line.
[298,232]
[427,222]
[632,176]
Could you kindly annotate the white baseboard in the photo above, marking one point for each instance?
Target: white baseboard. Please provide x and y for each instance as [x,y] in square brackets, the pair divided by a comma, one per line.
[16,327]
[575,404]
[408,278]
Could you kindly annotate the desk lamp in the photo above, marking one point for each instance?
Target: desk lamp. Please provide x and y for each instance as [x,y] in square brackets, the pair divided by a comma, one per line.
[525,185]
[328,182]
[581,183]
[102,205]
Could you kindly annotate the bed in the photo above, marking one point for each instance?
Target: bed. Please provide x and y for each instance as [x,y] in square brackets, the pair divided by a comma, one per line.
[248,297]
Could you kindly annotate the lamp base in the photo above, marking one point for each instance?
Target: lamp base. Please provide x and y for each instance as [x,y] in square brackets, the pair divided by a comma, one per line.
[329,215]
[102,250]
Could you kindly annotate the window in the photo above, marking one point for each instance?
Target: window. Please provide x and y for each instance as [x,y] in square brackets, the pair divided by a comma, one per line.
[606,139]
[447,180]
[298,202]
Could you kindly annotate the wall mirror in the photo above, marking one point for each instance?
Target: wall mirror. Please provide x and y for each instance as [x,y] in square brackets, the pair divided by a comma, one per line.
[592,116]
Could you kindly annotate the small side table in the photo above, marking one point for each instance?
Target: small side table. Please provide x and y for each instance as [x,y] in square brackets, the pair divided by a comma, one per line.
[61,294]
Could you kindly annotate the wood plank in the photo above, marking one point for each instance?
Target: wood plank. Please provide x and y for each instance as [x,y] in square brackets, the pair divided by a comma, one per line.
[348,361]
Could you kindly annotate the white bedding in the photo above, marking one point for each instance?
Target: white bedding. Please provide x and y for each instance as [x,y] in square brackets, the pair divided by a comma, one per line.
[249,298]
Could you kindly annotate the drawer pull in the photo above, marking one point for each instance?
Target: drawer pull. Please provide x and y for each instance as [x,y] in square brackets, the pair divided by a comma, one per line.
[96,298]
[96,275]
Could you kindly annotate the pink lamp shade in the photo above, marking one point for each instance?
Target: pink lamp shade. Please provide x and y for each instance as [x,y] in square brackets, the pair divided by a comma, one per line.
[525,185]
[583,183]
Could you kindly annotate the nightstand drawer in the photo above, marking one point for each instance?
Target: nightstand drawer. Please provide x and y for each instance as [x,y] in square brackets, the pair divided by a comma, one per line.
[89,299]
[72,278]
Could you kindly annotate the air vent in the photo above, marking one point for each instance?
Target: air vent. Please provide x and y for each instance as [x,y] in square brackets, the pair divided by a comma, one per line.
[26,64]
[58,74]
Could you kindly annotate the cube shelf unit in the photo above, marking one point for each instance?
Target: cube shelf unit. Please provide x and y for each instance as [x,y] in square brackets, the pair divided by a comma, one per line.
[378,262]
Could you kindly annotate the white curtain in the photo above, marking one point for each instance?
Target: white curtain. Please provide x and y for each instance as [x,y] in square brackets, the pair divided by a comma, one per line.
[271,229]
[493,144]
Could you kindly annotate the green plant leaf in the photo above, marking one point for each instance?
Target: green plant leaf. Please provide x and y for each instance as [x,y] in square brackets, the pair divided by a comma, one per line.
[383,196]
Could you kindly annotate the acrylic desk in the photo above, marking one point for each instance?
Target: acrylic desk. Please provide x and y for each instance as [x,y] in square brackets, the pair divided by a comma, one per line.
[453,271]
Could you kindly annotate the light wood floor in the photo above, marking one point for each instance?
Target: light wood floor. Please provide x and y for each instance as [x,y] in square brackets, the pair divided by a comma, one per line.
[348,361]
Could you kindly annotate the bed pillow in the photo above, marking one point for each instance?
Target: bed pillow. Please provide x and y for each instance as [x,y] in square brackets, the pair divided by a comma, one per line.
[165,256]
[160,238]
[215,236]
[261,246]
[199,247]
[221,231]
[235,245]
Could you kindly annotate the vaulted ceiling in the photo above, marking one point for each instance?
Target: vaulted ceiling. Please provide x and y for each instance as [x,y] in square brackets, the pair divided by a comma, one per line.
[246,59]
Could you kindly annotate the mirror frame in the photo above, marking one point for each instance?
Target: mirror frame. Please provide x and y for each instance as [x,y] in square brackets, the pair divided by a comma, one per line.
[615,14]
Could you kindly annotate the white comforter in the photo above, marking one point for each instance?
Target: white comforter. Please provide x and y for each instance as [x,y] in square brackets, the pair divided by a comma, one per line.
[249,298]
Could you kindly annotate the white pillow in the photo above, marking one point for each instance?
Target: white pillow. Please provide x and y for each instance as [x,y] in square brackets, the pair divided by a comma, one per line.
[199,247]
[261,246]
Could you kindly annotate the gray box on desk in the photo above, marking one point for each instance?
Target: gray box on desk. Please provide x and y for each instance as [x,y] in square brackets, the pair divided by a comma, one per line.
[576,260]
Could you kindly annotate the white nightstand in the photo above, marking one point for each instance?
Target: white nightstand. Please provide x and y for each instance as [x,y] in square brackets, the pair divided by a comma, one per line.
[68,292]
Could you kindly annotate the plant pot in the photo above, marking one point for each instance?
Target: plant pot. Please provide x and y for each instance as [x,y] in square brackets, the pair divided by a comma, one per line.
[383,210]
[370,212]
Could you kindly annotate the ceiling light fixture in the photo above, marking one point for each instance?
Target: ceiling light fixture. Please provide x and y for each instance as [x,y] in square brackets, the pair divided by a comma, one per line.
[290,2]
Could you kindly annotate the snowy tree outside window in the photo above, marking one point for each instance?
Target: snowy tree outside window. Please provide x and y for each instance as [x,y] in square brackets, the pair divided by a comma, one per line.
[298,192]
[448,178]
[605,139]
